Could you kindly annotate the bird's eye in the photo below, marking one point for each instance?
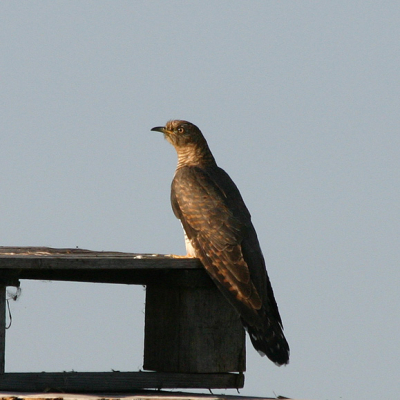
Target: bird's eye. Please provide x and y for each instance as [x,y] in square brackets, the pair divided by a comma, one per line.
[180,130]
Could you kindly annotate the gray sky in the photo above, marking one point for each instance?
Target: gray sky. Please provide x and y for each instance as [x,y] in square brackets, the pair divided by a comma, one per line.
[299,102]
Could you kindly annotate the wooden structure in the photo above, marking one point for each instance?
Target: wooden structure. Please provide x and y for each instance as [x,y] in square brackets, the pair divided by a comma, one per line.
[142,395]
[193,337]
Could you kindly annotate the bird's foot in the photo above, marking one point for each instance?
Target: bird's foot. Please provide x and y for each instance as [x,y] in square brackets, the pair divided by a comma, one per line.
[179,256]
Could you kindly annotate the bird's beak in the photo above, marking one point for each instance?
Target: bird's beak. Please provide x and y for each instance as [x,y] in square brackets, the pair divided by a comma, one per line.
[159,129]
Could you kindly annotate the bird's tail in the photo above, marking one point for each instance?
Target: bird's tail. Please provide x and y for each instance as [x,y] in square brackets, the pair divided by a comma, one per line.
[270,341]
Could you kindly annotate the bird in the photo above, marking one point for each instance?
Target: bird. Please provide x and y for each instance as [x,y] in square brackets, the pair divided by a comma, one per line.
[219,231]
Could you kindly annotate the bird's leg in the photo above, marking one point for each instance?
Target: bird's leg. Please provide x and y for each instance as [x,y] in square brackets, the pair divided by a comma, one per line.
[179,256]
[190,251]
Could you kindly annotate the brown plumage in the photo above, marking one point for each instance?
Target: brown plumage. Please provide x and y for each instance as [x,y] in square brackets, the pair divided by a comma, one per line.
[220,233]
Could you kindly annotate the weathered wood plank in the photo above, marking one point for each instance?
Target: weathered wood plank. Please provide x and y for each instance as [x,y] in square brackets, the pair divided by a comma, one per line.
[42,263]
[2,326]
[195,331]
[138,395]
[96,260]
[84,382]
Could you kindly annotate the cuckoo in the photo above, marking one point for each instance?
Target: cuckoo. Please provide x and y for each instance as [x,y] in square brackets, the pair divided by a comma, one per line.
[219,231]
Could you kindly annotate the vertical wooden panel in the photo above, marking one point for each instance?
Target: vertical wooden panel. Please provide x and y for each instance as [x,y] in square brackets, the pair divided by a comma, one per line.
[2,327]
[192,330]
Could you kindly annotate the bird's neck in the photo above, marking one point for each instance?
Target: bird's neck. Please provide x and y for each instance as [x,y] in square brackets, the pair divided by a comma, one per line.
[191,155]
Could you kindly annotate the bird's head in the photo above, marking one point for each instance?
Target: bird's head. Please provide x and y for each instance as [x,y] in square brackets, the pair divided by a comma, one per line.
[189,143]
[181,133]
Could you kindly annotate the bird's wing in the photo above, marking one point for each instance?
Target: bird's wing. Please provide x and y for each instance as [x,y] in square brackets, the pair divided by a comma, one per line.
[219,227]
[216,222]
